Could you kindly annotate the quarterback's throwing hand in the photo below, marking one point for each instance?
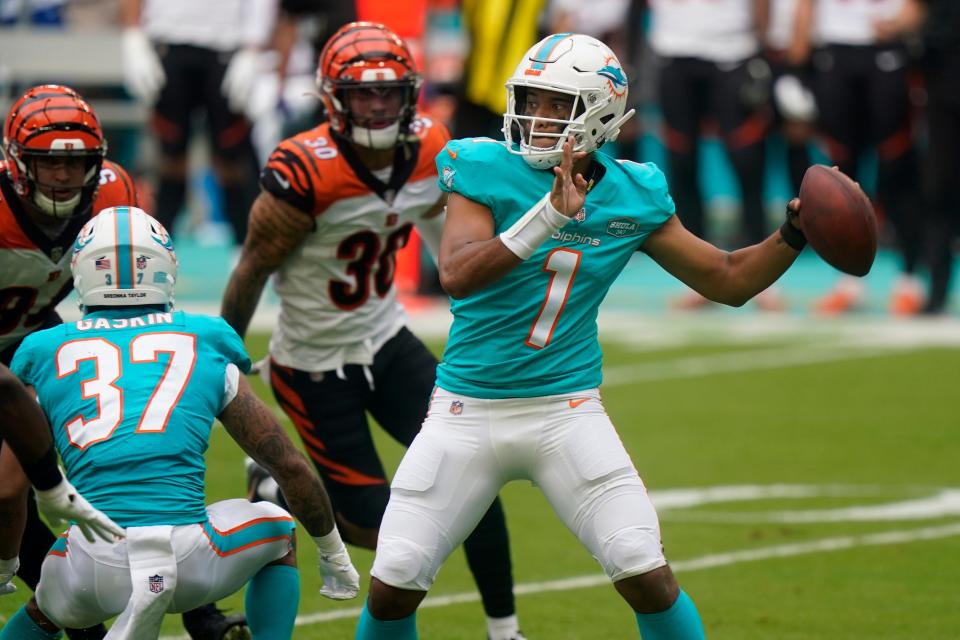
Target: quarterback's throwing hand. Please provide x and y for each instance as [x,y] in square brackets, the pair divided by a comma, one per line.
[340,579]
[63,503]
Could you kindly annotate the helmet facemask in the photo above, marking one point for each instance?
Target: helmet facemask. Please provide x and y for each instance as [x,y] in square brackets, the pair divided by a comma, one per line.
[520,129]
[42,192]
[390,107]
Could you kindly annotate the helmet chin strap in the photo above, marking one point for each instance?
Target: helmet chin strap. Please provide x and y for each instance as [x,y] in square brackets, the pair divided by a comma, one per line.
[385,138]
[56,208]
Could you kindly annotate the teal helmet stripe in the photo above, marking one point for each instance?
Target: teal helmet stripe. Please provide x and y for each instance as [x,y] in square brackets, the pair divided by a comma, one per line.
[124,248]
[543,53]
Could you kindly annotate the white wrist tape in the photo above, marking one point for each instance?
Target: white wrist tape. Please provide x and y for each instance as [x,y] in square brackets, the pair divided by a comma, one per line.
[330,543]
[533,228]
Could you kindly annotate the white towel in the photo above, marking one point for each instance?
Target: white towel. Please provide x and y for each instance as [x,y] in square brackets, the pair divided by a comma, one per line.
[153,575]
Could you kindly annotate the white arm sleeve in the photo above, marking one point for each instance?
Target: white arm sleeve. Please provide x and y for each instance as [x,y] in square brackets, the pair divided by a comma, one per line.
[430,230]
[231,384]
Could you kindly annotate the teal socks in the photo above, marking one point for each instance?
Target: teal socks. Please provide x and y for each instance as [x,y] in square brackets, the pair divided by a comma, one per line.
[680,622]
[369,628]
[22,627]
[271,602]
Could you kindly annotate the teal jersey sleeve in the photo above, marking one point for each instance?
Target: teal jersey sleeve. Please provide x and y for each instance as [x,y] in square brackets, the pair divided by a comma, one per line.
[652,185]
[131,400]
[474,167]
[224,341]
[534,332]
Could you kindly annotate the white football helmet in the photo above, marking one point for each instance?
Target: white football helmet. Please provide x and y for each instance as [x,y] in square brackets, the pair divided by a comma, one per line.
[574,64]
[123,257]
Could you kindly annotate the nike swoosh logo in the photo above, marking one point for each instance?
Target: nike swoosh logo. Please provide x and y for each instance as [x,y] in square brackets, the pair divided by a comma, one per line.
[453,154]
[281,180]
[576,403]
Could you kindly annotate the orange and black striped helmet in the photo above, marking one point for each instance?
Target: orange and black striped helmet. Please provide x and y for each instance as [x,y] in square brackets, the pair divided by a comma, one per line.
[369,56]
[53,121]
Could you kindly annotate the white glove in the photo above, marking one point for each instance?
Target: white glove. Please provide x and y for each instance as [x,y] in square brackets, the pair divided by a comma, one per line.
[238,81]
[143,74]
[340,580]
[63,502]
[8,569]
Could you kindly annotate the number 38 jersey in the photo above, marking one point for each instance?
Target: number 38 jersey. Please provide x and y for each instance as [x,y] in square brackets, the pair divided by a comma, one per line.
[534,331]
[131,397]
[34,268]
[338,302]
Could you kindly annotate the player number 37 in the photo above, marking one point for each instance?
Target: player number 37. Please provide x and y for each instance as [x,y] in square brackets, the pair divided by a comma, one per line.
[108,366]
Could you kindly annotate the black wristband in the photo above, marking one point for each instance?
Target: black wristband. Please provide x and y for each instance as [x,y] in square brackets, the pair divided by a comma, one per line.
[44,474]
[792,236]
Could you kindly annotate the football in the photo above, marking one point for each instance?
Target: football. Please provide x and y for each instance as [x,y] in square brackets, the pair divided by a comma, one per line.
[838,220]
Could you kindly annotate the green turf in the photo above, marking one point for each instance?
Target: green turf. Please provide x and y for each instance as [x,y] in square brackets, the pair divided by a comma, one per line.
[877,427]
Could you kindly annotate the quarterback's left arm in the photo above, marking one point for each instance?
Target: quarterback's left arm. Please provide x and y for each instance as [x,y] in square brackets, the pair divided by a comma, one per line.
[728,277]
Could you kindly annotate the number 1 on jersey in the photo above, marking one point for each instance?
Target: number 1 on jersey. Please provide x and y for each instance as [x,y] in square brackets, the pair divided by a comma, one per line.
[563,264]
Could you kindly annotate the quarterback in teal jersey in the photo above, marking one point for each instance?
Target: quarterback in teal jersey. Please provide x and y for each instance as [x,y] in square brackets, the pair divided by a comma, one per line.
[131,392]
[538,227]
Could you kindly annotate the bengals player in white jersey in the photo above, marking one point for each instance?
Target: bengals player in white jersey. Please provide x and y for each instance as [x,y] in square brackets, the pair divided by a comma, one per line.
[53,177]
[337,202]
[861,78]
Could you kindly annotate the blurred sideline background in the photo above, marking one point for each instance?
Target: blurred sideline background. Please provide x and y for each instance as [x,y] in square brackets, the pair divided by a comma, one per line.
[78,42]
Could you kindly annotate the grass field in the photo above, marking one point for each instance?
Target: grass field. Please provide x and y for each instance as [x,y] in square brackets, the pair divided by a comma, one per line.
[805,474]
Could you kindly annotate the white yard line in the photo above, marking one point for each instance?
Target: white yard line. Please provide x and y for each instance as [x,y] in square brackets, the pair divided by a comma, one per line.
[709,561]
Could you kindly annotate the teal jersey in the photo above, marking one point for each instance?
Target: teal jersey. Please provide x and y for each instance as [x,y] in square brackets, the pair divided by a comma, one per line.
[534,331]
[131,398]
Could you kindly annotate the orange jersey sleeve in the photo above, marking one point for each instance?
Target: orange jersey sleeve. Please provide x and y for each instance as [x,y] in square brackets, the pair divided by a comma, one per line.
[116,188]
[433,136]
[309,172]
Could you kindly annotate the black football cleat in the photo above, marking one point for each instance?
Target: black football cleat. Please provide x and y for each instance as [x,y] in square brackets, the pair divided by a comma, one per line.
[209,623]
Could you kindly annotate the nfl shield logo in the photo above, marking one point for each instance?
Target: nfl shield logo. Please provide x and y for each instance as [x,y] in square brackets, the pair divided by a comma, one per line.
[581,215]
[456,407]
[141,262]
[155,583]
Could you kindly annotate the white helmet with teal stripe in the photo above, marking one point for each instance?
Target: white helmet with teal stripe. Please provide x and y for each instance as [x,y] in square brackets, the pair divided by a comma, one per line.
[573,64]
[123,257]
